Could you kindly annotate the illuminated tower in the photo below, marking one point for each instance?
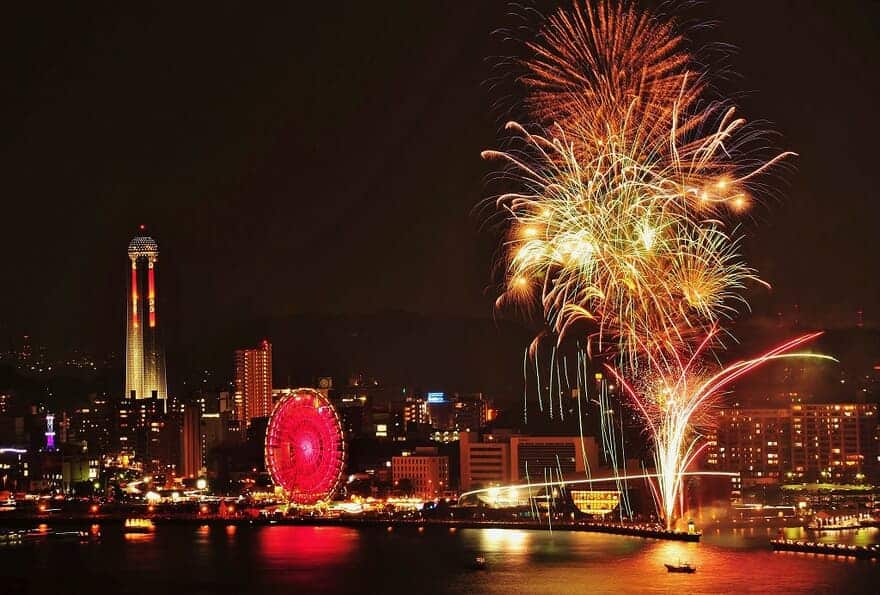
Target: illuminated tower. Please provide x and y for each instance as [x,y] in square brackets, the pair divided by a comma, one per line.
[144,358]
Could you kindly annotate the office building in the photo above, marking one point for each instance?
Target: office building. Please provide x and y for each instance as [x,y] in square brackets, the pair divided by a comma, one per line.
[541,458]
[483,463]
[426,471]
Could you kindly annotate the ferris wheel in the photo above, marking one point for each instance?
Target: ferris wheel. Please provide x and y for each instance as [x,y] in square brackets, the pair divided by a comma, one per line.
[305,449]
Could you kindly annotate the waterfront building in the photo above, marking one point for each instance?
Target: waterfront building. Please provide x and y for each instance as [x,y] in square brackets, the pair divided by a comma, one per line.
[144,356]
[837,442]
[595,502]
[804,442]
[483,463]
[425,470]
[754,442]
[534,458]
[502,458]
[253,383]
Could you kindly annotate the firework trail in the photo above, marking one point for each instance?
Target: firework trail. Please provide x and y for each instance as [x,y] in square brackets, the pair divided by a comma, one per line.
[675,403]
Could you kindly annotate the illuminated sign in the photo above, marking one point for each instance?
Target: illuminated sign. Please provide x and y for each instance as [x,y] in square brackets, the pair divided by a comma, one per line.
[436,397]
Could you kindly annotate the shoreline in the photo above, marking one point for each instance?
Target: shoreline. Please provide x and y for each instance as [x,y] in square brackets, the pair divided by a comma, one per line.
[390,524]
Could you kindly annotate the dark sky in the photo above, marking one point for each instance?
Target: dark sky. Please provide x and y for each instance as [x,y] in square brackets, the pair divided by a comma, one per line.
[326,159]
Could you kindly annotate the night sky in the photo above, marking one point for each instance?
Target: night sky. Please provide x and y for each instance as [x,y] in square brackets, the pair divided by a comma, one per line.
[294,161]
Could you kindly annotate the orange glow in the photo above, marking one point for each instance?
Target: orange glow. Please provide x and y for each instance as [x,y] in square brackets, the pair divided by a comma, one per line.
[739,203]
[94,508]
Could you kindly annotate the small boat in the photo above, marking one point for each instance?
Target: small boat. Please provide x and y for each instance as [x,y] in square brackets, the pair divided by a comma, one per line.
[480,563]
[138,526]
[685,568]
[835,525]
[71,535]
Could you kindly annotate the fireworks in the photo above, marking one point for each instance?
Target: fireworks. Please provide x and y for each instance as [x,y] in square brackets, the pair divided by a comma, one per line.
[622,229]
[622,216]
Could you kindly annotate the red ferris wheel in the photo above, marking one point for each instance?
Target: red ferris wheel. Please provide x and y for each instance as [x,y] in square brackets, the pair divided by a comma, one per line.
[305,450]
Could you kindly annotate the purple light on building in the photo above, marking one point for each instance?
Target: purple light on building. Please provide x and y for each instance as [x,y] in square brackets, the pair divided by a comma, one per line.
[50,431]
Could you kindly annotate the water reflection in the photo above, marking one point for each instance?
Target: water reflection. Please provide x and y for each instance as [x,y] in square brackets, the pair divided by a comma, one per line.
[311,546]
[508,541]
[138,537]
[673,552]
[228,560]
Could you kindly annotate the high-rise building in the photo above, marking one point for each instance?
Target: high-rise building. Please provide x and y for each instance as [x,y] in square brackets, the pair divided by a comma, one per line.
[836,441]
[805,442]
[144,357]
[756,442]
[253,383]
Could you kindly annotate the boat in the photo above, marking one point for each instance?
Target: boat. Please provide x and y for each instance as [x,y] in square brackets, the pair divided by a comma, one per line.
[138,526]
[685,568]
[835,524]
[71,536]
[480,563]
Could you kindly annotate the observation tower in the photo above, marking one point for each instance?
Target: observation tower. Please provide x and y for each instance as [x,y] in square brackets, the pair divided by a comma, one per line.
[144,356]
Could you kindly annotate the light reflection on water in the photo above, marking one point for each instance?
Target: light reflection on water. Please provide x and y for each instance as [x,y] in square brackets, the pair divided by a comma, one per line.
[293,559]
